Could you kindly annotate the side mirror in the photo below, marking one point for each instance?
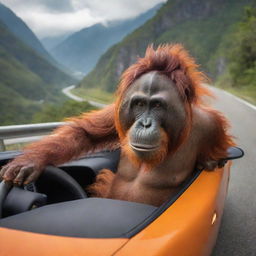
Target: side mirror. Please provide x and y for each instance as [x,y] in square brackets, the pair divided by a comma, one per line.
[234,153]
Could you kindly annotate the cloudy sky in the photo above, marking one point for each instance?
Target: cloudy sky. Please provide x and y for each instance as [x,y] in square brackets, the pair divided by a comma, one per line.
[57,17]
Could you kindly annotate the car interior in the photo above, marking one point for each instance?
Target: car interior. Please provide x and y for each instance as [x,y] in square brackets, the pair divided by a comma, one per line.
[57,203]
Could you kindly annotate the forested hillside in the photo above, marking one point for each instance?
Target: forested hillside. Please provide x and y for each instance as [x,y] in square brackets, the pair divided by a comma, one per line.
[26,79]
[203,27]
[19,28]
[239,75]
[221,34]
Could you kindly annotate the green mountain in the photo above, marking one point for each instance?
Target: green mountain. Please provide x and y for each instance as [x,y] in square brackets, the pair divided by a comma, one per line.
[239,76]
[203,27]
[81,50]
[50,42]
[19,28]
[26,79]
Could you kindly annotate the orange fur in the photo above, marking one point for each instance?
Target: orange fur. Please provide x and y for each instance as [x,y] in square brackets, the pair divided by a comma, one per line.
[172,61]
[216,147]
[90,132]
[155,158]
[175,62]
[102,185]
[101,129]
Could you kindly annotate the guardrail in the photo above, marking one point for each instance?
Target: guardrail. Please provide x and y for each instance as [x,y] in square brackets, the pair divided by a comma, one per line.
[13,134]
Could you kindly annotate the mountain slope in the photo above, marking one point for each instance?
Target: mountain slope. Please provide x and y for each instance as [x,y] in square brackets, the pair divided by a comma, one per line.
[51,42]
[19,28]
[26,79]
[81,50]
[201,26]
[31,60]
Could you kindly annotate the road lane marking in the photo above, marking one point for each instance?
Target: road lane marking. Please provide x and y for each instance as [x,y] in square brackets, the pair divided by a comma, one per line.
[235,97]
[241,100]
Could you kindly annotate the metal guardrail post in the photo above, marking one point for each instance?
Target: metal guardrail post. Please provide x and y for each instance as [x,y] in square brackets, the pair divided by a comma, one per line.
[2,146]
[25,131]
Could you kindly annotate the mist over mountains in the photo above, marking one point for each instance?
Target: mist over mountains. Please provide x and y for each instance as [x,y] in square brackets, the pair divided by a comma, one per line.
[205,28]
[211,30]
[81,50]
[30,75]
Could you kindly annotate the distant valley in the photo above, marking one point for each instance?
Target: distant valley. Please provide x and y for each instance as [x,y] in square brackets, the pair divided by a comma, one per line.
[28,74]
[219,33]
[81,50]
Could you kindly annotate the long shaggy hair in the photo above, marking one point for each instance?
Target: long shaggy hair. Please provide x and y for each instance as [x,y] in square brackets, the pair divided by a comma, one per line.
[172,61]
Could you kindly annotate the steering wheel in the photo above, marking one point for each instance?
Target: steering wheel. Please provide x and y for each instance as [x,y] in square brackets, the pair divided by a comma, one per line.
[23,199]
[4,190]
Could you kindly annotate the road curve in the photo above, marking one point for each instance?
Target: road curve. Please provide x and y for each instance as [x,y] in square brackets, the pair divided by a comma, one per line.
[67,92]
[237,236]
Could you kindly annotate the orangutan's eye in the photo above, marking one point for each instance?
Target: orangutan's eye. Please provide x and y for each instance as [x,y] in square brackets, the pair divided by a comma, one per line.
[157,105]
[139,103]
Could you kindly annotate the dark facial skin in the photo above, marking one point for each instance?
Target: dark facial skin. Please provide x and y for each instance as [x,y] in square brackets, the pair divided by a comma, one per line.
[152,104]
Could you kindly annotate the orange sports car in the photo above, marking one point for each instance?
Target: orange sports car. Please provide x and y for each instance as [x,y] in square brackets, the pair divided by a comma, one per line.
[54,215]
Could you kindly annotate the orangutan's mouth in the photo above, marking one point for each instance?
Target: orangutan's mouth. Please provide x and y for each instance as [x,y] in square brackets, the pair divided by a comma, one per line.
[143,147]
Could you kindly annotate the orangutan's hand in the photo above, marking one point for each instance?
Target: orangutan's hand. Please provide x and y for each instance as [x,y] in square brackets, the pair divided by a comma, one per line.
[211,165]
[20,172]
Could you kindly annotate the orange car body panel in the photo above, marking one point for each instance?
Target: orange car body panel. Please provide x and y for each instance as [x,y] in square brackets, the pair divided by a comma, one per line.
[188,227]
[13,242]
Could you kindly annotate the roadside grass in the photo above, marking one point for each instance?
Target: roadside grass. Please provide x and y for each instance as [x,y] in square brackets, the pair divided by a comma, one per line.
[94,94]
[17,146]
[246,92]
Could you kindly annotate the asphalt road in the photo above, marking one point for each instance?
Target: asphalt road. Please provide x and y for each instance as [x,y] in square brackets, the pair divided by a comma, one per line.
[67,92]
[237,236]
